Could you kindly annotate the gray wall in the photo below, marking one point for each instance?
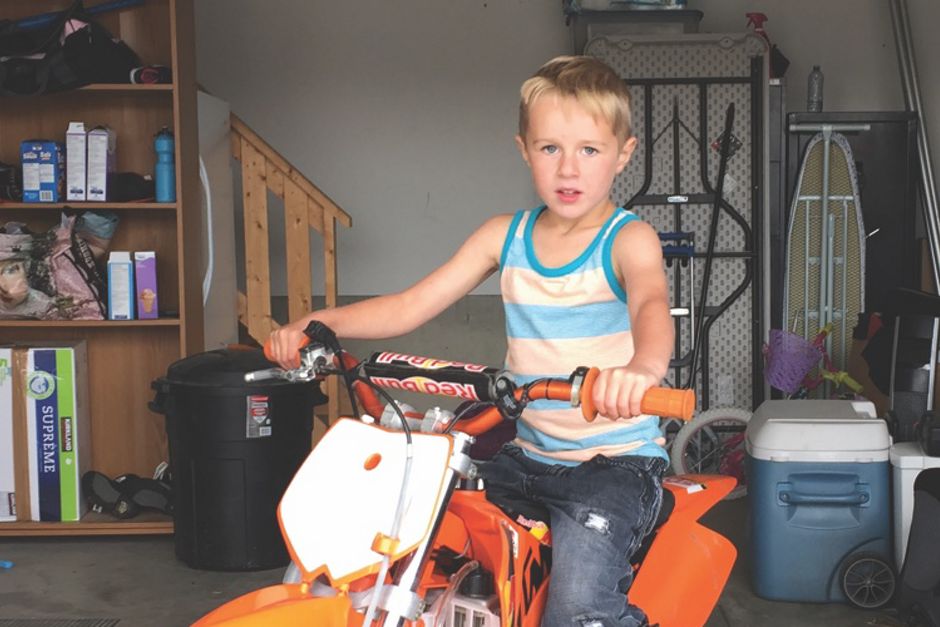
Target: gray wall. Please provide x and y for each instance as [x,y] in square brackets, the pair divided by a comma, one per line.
[404,112]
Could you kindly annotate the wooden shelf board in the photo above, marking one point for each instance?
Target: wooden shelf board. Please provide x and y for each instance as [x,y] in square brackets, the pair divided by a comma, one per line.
[79,324]
[93,524]
[164,206]
[127,87]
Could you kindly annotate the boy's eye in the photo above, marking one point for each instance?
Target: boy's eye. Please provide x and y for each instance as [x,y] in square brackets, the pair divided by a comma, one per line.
[550,149]
[590,150]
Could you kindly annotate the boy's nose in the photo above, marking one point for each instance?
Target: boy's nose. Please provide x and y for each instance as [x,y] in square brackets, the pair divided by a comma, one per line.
[568,165]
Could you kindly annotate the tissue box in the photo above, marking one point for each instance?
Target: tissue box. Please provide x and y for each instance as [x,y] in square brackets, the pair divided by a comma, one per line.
[75,148]
[120,286]
[43,170]
[101,143]
[57,430]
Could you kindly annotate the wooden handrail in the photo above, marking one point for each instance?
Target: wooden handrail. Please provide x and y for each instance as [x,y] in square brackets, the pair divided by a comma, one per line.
[305,207]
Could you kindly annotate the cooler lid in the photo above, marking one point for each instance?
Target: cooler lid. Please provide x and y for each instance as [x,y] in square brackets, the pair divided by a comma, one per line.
[817,431]
[222,367]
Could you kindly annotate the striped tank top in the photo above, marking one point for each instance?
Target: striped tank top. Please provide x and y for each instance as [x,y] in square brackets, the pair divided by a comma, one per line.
[558,319]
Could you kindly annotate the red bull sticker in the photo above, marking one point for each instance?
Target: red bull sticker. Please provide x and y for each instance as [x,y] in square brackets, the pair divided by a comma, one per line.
[429,386]
[258,419]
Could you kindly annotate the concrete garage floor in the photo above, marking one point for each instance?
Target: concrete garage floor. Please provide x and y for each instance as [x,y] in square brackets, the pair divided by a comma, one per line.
[139,581]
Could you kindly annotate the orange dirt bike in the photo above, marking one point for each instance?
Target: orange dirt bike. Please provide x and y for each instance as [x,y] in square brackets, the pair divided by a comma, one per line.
[390,525]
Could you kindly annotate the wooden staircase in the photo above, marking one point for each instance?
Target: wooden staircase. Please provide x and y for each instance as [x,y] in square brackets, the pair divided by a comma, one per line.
[263,169]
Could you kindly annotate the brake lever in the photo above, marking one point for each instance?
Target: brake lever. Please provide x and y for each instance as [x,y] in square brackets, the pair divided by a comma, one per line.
[315,361]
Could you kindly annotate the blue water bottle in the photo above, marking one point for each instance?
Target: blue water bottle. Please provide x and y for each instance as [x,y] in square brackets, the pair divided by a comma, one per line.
[165,168]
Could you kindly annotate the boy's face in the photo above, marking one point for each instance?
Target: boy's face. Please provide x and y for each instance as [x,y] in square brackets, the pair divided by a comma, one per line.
[574,157]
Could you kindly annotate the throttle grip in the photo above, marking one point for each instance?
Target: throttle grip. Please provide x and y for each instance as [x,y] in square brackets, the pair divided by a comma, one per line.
[657,401]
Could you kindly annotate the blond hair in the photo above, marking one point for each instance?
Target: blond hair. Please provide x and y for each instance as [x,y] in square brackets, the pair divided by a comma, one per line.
[591,82]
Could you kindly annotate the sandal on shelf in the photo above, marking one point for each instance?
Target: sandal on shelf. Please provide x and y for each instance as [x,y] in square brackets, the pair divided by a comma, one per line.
[105,495]
[127,495]
[151,494]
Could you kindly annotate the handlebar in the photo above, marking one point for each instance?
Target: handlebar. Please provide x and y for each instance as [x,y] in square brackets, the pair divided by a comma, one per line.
[472,382]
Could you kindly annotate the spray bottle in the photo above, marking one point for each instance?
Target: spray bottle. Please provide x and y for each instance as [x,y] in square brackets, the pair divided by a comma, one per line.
[778,62]
[756,21]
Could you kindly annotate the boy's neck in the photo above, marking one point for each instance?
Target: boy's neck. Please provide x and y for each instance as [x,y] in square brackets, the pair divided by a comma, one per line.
[590,220]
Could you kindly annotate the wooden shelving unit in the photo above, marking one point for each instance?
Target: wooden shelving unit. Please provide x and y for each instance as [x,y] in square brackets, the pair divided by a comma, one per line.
[123,357]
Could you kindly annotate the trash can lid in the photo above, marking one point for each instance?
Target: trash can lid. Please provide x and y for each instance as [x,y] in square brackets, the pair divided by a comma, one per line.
[221,367]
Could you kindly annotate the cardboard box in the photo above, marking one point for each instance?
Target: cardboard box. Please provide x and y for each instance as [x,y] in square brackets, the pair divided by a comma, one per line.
[7,477]
[145,273]
[101,143]
[43,170]
[51,429]
[75,155]
[121,293]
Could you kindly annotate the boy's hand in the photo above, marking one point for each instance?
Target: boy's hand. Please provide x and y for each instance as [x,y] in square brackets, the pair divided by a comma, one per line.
[285,343]
[619,391]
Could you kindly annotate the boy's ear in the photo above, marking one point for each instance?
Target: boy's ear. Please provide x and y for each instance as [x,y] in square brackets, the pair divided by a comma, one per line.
[520,144]
[625,153]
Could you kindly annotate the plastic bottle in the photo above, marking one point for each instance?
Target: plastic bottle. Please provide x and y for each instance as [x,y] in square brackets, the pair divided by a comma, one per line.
[814,90]
[165,168]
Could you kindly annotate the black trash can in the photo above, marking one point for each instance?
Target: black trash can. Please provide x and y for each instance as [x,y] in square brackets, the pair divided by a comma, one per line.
[234,447]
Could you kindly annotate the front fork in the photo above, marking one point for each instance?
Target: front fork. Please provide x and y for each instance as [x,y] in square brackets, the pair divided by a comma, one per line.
[400,600]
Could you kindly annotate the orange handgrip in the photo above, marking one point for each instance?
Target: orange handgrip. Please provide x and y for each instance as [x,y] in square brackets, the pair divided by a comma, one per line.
[267,347]
[669,402]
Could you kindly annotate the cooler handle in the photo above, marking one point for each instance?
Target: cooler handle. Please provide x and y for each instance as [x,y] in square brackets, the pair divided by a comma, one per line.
[789,497]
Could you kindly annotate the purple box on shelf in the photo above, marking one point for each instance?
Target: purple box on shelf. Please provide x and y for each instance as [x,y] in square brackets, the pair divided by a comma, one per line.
[145,269]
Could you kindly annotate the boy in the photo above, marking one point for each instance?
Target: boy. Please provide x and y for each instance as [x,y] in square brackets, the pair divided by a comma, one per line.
[583,284]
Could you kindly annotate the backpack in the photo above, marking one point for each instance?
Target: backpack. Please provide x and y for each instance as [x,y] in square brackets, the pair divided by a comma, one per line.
[66,52]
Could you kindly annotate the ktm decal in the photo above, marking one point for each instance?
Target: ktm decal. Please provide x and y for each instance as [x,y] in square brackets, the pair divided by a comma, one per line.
[428,386]
[427,363]
[535,571]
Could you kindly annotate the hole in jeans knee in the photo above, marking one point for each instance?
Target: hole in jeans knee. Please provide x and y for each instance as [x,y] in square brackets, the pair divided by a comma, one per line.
[597,522]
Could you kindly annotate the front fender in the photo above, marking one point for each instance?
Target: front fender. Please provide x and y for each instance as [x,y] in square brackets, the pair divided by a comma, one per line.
[284,605]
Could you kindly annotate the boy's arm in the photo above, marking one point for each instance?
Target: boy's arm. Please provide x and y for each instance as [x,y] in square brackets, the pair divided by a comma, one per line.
[392,315]
[638,259]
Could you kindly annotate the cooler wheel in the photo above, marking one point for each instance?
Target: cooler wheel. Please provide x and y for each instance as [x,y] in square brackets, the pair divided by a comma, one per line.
[868,581]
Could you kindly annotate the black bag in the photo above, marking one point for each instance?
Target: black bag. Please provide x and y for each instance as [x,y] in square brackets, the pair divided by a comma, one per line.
[72,51]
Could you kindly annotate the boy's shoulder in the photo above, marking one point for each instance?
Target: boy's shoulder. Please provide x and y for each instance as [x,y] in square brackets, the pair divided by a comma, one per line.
[498,225]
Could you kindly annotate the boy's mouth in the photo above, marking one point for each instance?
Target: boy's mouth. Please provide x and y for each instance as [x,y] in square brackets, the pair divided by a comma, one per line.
[567,194]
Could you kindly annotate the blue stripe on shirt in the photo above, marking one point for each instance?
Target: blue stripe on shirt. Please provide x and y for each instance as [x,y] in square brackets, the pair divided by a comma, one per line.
[646,432]
[590,320]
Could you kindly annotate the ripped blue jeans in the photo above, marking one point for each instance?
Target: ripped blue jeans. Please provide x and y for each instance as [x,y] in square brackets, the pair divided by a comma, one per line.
[599,512]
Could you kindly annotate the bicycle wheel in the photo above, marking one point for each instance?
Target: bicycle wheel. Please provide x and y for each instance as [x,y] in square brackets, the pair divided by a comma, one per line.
[712,443]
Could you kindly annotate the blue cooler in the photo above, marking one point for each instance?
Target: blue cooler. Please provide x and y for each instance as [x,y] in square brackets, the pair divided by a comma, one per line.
[820,497]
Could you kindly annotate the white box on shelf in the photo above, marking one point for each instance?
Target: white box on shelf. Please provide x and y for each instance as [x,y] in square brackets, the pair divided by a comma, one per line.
[101,142]
[121,293]
[76,143]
